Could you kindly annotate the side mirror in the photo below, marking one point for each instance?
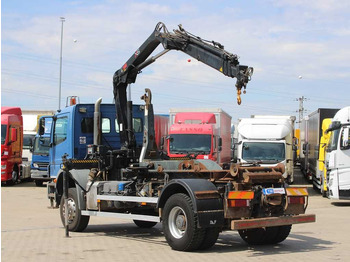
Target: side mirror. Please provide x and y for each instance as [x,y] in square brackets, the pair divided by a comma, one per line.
[295,148]
[13,134]
[42,126]
[162,140]
[219,144]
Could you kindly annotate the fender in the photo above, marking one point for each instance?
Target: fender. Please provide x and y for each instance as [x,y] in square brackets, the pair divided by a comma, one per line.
[208,207]
[81,176]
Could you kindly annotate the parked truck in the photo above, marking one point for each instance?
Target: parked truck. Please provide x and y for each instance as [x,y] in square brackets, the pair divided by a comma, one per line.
[202,133]
[40,152]
[338,156]
[12,165]
[267,140]
[30,129]
[311,129]
[194,199]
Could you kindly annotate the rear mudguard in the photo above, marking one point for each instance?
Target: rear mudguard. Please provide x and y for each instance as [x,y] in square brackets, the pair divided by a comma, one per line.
[208,206]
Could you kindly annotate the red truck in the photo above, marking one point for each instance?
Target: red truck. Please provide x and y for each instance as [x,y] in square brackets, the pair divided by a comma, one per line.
[11,143]
[200,133]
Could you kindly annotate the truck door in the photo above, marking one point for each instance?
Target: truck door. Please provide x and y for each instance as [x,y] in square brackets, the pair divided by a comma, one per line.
[343,163]
[61,143]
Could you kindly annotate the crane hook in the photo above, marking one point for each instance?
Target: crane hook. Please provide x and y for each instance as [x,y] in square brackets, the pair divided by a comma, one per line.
[239,96]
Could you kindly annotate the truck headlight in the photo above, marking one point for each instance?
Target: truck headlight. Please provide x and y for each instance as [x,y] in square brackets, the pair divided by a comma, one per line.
[35,165]
[3,166]
[6,153]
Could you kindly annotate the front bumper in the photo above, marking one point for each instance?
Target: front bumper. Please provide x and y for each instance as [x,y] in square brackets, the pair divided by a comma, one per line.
[40,175]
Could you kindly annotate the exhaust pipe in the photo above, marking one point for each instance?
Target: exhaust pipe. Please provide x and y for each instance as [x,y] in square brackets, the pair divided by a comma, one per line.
[97,122]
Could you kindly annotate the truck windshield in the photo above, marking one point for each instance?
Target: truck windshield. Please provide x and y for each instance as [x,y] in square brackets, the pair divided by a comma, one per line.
[190,143]
[41,146]
[274,152]
[333,141]
[28,141]
[3,133]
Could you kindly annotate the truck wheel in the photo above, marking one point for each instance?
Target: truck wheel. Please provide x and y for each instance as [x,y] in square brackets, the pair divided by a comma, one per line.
[281,233]
[253,236]
[76,222]
[13,179]
[38,183]
[180,224]
[144,224]
[210,237]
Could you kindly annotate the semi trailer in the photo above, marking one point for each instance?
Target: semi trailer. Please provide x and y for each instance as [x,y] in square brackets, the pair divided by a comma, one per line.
[311,129]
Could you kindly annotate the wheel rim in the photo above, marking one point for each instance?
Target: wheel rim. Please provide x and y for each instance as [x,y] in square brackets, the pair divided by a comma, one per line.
[71,210]
[14,176]
[177,222]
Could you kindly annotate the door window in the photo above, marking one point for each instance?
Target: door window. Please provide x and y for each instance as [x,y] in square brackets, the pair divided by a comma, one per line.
[60,130]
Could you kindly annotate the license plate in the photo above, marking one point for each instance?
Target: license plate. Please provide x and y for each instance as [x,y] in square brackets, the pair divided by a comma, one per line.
[269,191]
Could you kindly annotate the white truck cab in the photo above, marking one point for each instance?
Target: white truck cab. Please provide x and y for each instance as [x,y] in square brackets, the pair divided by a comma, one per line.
[267,140]
[338,156]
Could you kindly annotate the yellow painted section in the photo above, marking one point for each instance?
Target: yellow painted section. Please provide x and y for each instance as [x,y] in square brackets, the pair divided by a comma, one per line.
[322,150]
[221,69]
[297,136]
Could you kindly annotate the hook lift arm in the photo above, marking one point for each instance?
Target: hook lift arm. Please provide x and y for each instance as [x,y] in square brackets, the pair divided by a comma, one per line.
[209,52]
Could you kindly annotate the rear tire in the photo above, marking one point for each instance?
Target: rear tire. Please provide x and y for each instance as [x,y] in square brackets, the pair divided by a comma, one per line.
[282,234]
[145,224]
[180,224]
[76,222]
[253,236]
[268,235]
[210,237]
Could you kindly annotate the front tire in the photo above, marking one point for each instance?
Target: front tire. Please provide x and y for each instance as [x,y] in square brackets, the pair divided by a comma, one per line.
[180,224]
[76,222]
[38,183]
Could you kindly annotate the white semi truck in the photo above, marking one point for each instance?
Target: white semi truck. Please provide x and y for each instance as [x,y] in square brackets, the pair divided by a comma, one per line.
[338,156]
[267,140]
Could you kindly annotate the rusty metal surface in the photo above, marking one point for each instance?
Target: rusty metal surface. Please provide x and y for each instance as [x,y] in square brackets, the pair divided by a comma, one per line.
[271,221]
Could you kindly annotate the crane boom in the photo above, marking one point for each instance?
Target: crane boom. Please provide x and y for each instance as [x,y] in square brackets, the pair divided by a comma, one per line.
[210,53]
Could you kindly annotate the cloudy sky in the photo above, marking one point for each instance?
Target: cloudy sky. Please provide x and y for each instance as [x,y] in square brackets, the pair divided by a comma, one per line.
[297,48]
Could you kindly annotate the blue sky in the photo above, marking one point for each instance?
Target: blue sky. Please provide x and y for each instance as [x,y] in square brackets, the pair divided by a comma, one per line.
[282,40]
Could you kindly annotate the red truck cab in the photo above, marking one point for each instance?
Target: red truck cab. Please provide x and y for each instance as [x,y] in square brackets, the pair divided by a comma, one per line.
[199,135]
[11,143]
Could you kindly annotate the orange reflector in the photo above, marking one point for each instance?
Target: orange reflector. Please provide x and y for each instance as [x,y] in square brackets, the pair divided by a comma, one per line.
[240,195]
[296,200]
[238,203]
[55,180]
[143,203]
[295,191]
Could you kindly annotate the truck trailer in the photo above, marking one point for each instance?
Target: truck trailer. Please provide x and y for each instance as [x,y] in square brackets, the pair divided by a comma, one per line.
[338,155]
[194,199]
[267,140]
[312,133]
[203,133]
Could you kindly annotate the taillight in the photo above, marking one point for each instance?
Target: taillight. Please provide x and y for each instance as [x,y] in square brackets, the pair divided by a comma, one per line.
[238,203]
[239,198]
[296,200]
